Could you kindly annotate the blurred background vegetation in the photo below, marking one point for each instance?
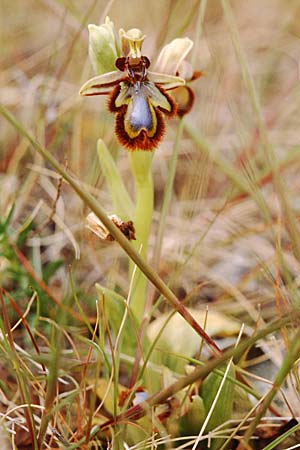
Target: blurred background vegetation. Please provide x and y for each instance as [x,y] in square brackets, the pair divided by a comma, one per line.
[225,210]
[232,233]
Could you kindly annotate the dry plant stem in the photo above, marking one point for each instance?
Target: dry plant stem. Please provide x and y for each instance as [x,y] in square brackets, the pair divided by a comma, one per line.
[266,145]
[200,373]
[115,232]
[92,402]
[140,164]
[52,377]
[24,322]
[289,361]
[199,29]
[50,392]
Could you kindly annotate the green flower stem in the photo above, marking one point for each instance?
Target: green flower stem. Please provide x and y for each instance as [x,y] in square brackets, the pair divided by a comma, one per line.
[140,164]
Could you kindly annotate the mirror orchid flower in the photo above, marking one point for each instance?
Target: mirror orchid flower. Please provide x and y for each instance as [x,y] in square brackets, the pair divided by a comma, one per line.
[138,97]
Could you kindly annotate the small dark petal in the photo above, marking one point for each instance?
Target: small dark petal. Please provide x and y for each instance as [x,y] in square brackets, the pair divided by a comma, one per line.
[121,63]
[146,61]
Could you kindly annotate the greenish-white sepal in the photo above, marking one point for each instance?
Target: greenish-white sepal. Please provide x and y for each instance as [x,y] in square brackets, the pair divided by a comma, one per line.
[101,84]
[166,81]
[103,46]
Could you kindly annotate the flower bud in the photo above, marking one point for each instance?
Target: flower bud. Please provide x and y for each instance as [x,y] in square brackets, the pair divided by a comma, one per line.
[103,47]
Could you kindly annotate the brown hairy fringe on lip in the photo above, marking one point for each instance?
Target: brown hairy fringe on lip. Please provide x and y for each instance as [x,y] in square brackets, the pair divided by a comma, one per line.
[143,141]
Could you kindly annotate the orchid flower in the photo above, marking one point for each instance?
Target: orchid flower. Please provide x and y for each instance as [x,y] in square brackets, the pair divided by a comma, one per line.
[137,96]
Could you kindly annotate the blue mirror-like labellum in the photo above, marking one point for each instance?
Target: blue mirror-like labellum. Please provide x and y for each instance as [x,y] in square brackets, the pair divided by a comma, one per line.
[140,115]
[139,107]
